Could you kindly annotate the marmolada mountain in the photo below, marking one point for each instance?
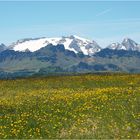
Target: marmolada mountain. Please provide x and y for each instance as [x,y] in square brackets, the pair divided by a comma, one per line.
[72,54]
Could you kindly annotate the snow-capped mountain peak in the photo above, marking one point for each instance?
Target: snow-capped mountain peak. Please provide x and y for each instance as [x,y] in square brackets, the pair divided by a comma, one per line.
[116,46]
[80,38]
[127,44]
[130,44]
[126,39]
[2,47]
[72,43]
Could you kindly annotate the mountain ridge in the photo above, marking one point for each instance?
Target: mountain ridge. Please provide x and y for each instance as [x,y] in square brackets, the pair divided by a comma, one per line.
[54,59]
[72,43]
[127,44]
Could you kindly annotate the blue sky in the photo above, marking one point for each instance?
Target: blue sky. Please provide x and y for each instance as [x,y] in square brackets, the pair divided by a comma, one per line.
[104,22]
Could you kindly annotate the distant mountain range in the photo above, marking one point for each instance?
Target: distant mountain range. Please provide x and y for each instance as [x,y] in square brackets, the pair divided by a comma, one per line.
[72,43]
[73,54]
[127,44]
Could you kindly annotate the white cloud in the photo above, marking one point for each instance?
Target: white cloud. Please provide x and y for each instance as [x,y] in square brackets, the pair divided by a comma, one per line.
[103,12]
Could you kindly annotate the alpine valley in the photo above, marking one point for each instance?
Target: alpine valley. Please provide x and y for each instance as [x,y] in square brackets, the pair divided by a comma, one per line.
[67,55]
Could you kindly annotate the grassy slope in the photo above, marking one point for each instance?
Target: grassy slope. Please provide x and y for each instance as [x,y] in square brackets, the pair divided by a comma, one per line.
[125,63]
[88,106]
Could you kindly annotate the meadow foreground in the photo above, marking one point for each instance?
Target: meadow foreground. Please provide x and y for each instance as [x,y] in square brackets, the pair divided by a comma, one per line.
[86,106]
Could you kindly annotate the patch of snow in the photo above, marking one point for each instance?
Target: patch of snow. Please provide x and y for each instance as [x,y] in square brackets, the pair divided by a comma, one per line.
[32,45]
[83,39]
[79,44]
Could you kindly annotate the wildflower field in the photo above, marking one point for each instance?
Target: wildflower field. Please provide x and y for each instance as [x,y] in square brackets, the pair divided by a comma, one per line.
[84,106]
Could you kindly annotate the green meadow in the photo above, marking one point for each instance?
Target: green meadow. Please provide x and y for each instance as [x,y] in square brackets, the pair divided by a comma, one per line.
[83,106]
